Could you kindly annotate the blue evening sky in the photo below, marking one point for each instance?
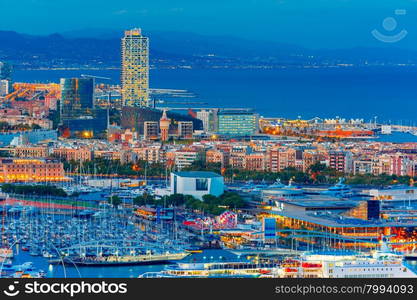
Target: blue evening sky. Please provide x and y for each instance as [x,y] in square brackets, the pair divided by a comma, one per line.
[310,23]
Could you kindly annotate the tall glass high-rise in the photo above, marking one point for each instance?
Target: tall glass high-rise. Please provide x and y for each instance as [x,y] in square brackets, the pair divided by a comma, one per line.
[135,69]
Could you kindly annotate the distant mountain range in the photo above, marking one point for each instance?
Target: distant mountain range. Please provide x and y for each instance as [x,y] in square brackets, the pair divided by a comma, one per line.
[101,48]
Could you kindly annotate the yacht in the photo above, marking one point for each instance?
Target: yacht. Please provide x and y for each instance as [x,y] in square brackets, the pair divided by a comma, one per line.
[248,187]
[276,185]
[281,191]
[339,190]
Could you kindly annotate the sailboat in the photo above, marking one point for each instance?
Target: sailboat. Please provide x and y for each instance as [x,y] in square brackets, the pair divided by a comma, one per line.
[5,252]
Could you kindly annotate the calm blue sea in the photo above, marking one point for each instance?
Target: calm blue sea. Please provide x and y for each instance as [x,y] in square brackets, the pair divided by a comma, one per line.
[389,93]
[398,137]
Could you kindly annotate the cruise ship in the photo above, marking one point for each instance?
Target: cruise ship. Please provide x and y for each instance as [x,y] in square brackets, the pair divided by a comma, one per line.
[336,264]
[236,269]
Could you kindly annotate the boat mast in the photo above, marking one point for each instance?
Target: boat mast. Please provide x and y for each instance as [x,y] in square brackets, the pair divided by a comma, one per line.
[3,224]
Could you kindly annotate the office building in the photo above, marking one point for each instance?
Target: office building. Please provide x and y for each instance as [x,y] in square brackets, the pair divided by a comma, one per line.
[87,126]
[237,122]
[77,97]
[135,69]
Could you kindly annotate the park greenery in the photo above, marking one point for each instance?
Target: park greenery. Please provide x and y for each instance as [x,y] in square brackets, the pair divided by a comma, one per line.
[36,190]
[115,201]
[316,174]
[105,166]
[210,204]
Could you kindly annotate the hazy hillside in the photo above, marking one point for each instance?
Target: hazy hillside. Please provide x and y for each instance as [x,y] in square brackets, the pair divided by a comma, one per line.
[97,48]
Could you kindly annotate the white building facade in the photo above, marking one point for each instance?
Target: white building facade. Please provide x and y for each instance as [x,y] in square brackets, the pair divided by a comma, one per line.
[197,183]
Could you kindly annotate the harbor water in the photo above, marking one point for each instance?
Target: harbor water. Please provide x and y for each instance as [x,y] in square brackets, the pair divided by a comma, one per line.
[386,92]
[68,271]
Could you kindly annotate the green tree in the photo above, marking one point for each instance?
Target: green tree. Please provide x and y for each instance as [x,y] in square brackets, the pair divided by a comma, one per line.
[317,167]
[145,199]
[115,201]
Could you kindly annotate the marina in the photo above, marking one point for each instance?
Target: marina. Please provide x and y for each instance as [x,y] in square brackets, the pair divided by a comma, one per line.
[108,237]
[55,241]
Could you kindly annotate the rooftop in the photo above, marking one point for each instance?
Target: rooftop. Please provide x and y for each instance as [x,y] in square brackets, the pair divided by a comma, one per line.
[324,203]
[236,111]
[330,219]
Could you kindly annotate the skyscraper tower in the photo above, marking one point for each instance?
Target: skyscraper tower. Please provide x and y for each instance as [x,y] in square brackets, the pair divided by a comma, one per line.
[164,126]
[135,69]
